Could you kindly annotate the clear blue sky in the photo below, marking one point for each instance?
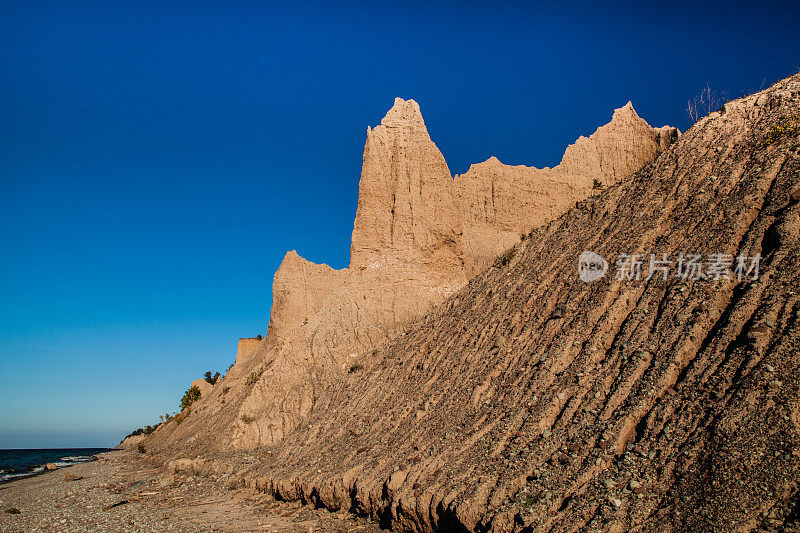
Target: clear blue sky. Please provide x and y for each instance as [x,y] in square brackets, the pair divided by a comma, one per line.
[157,159]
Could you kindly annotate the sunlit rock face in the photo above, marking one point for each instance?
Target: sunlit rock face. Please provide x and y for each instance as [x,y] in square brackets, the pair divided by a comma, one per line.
[419,235]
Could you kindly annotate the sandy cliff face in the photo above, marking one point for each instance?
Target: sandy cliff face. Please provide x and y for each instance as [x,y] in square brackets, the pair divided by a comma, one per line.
[129,442]
[406,256]
[299,289]
[617,149]
[531,400]
[499,202]
[407,210]
[203,386]
[418,236]
[245,348]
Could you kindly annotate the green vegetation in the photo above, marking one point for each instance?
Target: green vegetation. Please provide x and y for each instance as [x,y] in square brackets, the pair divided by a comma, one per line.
[166,417]
[253,377]
[247,419]
[355,368]
[142,431]
[211,378]
[190,396]
[530,499]
[597,185]
[506,258]
[787,128]
[182,416]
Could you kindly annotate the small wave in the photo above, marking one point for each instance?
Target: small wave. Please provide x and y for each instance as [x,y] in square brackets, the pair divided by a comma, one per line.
[20,465]
[9,477]
[78,458]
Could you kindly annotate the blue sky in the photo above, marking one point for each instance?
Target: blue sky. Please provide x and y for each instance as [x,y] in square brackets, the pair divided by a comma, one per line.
[157,159]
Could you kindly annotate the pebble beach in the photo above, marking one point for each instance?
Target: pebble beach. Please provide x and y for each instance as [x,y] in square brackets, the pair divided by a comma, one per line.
[120,492]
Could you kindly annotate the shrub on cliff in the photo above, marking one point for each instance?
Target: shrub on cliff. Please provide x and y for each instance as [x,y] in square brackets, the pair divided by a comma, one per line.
[506,258]
[212,379]
[143,431]
[704,103]
[253,377]
[190,396]
[182,416]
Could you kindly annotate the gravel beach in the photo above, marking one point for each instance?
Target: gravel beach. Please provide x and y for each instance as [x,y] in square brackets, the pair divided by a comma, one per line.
[121,492]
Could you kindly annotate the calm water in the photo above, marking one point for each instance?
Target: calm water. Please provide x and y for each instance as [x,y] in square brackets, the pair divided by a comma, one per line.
[15,464]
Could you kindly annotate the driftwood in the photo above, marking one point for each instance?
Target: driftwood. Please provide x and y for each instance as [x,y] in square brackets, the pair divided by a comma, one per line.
[121,502]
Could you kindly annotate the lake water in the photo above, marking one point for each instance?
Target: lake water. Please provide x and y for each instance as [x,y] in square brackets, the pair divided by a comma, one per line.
[15,464]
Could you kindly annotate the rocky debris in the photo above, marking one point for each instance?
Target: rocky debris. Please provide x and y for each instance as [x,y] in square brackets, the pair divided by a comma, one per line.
[156,502]
[637,408]
[69,476]
[51,466]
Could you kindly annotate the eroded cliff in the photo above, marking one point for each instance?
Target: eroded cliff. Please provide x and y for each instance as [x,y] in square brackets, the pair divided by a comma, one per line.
[531,400]
[500,202]
[418,236]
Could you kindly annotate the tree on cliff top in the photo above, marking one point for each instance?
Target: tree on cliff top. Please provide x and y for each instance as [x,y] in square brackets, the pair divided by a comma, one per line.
[190,396]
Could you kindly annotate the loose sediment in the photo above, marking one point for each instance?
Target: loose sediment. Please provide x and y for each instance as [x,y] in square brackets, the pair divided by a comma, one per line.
[123,493]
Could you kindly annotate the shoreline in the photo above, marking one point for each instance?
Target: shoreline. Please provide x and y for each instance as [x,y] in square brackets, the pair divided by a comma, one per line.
[121,492]
[12,476]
